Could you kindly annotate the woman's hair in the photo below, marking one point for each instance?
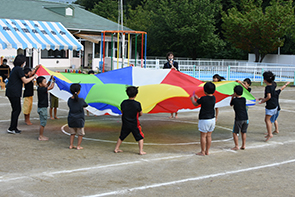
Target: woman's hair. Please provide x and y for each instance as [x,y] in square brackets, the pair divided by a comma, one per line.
[218,77]
[19,60]
[75,88]
[169,53]
[268,76]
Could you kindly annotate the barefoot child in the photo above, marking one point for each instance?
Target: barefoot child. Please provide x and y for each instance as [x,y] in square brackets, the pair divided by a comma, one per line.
[206,116]
[271,101]
[76,117]
[53,106]
[42,91]
[241,117]
[131,110]
[274,118]
[28,96]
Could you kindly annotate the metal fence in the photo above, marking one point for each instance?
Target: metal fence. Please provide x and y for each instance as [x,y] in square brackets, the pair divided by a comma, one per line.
[230,69]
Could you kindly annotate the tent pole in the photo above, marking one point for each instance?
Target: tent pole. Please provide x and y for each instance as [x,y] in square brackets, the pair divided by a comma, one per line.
[135,49]
[112,52]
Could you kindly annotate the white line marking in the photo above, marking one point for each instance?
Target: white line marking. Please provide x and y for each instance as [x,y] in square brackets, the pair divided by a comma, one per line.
[155,144]
[124,191]
[51,174]
[6,178]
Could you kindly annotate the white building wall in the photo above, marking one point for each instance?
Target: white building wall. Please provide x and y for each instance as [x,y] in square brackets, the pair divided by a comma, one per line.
[275,58]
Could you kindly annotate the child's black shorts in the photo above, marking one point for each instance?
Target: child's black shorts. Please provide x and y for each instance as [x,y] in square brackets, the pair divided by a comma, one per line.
[136,131]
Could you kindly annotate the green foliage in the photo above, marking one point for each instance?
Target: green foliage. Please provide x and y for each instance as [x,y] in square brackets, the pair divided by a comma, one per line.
[107,9]
[254,28]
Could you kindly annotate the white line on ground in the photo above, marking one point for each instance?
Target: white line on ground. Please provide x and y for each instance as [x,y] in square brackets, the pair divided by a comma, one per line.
[155,144]
[124,191]
[8,178]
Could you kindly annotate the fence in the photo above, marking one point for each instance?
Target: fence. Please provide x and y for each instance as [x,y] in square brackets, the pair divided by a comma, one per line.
[230,69]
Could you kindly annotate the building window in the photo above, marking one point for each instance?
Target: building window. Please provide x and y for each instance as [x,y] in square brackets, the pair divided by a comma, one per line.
[76,53]
[97,51]
[54,54]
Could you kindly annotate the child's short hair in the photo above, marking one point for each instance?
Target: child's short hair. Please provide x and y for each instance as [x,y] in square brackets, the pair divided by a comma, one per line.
[132,91]
[218,77]
[75,88]
[90,72]
[27,70]
[248,81]
[238,90]
[209,88]
[40,79]
[268,76]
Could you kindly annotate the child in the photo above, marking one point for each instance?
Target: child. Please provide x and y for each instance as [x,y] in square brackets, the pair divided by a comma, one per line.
[131,110]
[206,116]
[42,91]
[271,101]
[217,78]
[28,94]
[241,117]
[53,105]
[274,118]
[76,117]
[246,83]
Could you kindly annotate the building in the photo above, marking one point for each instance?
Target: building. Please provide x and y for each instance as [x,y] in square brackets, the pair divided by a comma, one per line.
[84,25]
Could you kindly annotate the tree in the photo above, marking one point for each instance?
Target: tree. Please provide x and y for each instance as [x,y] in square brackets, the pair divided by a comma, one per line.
[185,27]
[255,29]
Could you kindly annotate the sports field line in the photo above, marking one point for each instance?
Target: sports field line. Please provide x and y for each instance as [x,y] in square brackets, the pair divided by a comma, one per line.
[9,178]
[125,191]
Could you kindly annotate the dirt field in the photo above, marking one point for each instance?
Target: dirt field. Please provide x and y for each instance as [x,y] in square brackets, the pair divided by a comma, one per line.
[32,168]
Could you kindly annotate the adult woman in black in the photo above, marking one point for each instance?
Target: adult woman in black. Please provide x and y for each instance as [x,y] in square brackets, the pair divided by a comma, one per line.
[14,91]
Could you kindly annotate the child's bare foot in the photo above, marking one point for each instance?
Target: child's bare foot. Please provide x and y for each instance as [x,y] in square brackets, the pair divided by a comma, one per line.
[206,153]
[51,118]
[28,123]
[268,137]
[71,147]
[43,138]
[171,116]
[56,118]
[142,153]
[235,148]
[118,151]
[200,153]
[275,132]
[79,147]
[242,148]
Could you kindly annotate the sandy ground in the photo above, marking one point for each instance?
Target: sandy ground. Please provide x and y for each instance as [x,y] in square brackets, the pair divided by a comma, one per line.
[33,168]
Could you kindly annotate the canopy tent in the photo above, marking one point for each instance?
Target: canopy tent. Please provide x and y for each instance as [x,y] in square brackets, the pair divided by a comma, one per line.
[27,34]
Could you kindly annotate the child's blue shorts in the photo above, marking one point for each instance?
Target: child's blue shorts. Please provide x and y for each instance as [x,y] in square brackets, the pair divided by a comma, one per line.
[274,117]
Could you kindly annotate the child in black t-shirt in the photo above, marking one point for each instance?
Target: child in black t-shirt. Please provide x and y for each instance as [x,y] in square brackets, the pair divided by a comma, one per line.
[131,110]
[271,101]
[42,91]
[274,118]
[28,96]
[241,117]
[76,117]
[217,78]
[206,116]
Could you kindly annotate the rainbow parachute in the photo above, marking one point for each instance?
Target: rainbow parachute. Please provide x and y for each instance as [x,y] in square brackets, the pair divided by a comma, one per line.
[160,90]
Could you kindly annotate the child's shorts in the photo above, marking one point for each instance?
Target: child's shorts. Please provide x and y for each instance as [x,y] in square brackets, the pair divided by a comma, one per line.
[27,105]
[240,125]
[76,131]
[275,117]
[271,112]
[136,132]
[53,101]
[43,115]
[206,125]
